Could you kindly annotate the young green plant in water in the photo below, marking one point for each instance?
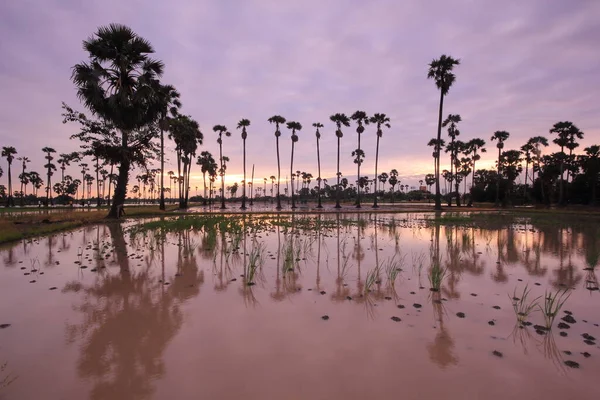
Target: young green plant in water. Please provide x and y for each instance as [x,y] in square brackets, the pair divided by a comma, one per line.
[523,305]
[372,279]
[436,277]
[553,302]
[255,260]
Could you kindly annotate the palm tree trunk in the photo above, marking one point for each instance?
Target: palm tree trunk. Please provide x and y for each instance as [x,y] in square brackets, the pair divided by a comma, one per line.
[162,170]
[120,189]
[472,182]
[222,176]
[244,187]
[376,161]
[97,183]
[560,192]
[358,177]
[438,198]
[204,180]
[498,181]
[337,189]
[319,205]
[9,200]
[526,176]
[278,174]
[451,173]
[292,175]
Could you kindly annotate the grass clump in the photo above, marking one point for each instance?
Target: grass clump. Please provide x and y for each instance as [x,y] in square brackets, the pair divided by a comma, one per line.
[553,302]
[372,279]
[255,260]
[523,305]
[436,277]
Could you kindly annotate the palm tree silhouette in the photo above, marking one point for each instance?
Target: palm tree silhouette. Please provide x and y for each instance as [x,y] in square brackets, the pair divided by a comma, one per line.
[339,120]
[567,133]
[440,71]
[49,171]
[9,152]
[221,129]
[205,160]
[501,137]
[471,149]
[277,120]
[294,126]
[119,85]
[170,104]
[244,123]
[361,118]
[380,120]
[318,135]
[451,121]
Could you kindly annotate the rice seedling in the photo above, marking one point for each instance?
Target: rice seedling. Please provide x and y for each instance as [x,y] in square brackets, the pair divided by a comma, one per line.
[255,260]
[392,268]
[418,260]
[372,279]
[436,276]
[523,305]
[553,302]
[5,378]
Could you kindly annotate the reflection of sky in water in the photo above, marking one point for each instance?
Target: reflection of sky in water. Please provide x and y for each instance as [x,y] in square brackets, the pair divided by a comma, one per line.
[137,316]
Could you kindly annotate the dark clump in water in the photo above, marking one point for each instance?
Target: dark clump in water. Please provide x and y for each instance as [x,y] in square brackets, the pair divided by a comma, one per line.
[562,325]
[492,323]
[572,364]
[4,326]
[460,314]
[417,305]
[396,319]
[325,317]
[497,353]
[569,318]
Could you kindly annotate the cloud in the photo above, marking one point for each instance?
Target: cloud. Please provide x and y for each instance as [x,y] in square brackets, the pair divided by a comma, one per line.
[524,66]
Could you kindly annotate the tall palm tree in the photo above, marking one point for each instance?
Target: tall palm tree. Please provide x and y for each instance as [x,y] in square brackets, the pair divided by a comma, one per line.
[501,137]
[567,133]
[168,97]
[24,179]
[244,123]
[318,125]
[451,122]
[380,120]
[221,130]
[205,160]
[9,152]
[339,120]
[293,126]
[84,170]
[119,84]
[277,120]
[472,148]
[536,142]
[440,71]
[49,171]
[361,118]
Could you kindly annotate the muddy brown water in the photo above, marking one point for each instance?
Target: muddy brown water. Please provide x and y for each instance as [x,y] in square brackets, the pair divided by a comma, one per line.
[168,315]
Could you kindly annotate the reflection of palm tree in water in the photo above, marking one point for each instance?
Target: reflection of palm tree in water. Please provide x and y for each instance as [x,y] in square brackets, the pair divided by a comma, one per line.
[278,294]
[453,263]
[127,326]
[341,290]
[440,350]
[500,275]
[566,275]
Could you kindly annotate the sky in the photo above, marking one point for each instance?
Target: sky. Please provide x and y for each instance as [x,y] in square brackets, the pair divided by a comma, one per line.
[524,66]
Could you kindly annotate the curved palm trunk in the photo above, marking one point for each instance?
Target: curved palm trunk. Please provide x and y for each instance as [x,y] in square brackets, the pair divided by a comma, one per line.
[451,172]
[244,187]
[98,202]
[292,175]
[319,205]
[162,170]
[120,189]
[278,175]
[375,180]
[337,188]
[438,197]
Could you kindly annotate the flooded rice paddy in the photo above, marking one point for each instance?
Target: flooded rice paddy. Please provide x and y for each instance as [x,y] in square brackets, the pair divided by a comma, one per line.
[303,307]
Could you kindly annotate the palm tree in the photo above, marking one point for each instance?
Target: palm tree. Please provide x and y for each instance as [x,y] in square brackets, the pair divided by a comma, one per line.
[361,118]
[567,133]
[590,163]
[380,120]
[393,181]
[24,178]
[49,171]
[294,126]
[168,97]
[221,130]
[9,152]
[272,178]
[339,120]
[277,120]
[451,122]
[471,149]
[205,160]
[501,137]
[536,142]
[244,123]
[318,135]
[383,178]
[84,170]
[440,71]
[119,85]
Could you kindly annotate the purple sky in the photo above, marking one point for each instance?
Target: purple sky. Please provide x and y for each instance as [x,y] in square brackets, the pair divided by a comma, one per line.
[525,65]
